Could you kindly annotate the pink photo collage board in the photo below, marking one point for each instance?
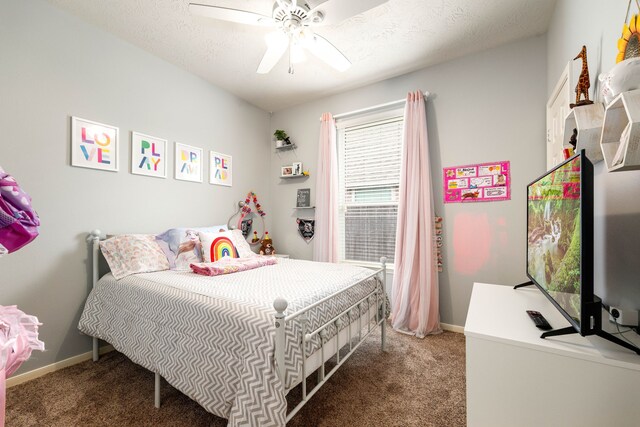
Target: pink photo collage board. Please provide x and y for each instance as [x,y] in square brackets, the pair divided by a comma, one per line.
[483,182]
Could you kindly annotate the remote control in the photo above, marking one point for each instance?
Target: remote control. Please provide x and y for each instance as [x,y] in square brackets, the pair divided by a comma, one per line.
[539,320]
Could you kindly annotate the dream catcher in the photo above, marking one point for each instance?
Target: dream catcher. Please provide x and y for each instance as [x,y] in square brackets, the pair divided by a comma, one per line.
[306,228]
[246,218]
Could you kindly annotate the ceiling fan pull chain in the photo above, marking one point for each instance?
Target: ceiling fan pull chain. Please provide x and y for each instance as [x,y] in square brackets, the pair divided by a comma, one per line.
[290,54]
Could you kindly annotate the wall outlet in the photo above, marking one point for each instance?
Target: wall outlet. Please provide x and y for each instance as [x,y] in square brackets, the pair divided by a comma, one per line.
[625,316]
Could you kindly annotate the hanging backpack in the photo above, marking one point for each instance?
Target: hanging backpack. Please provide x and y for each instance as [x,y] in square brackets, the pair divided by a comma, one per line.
[18,221]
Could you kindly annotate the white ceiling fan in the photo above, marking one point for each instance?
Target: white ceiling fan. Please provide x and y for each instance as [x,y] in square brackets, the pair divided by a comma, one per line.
[295,21]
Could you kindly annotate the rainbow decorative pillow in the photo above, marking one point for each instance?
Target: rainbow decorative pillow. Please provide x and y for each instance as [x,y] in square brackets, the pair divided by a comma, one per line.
[232,244]
[182,245]
[133,253]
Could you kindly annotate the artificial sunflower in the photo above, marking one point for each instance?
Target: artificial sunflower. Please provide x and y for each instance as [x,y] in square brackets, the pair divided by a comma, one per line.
[629,43]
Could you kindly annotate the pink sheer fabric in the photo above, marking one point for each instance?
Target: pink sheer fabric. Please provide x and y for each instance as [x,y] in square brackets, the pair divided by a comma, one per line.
[18,337]
[325,246]
[415,281]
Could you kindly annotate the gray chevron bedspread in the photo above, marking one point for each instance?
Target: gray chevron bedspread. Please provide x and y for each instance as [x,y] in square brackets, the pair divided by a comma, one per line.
[213,338]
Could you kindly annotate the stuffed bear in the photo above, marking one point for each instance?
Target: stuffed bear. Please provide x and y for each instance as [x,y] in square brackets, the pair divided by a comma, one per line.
[267,246]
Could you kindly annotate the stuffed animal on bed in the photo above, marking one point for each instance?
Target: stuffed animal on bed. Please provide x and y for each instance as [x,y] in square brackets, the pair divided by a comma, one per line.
[267,245]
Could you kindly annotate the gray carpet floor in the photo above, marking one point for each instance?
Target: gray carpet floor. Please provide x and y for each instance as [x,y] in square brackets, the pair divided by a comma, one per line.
[415,383]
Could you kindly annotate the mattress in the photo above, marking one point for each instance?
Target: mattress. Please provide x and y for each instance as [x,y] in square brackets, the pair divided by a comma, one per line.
[213,338]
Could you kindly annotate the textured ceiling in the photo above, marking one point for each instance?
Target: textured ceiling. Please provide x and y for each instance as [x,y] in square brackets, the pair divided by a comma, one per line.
[392,39]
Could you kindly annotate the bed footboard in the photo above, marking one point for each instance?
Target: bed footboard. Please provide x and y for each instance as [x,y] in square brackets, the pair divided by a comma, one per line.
[280,305]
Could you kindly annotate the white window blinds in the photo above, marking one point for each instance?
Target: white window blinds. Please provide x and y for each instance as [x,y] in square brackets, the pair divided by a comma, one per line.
[369,161]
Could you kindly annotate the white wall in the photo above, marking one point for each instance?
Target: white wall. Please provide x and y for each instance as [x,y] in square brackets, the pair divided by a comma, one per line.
[484,107]
[52,66]
[598,25]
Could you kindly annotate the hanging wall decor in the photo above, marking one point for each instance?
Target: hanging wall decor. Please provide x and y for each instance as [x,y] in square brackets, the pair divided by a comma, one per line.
[306,228]
[438,227]
[629,42]
[188,163]
[220,169]
[148,155]
[484,182]
[94,145]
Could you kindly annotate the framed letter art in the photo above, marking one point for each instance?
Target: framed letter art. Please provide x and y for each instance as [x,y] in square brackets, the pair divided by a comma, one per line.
[188,163]
[94,145]
[220,169]
[148,155]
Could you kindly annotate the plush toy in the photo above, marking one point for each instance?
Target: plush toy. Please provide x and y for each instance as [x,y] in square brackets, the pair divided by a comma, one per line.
[267,245]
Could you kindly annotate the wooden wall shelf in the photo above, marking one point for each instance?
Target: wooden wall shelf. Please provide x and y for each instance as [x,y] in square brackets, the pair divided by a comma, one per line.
[620,139]
[587,119]
[286,147]
[293,176]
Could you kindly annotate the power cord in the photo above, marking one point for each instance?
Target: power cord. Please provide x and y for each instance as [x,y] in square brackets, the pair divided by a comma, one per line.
[615,320]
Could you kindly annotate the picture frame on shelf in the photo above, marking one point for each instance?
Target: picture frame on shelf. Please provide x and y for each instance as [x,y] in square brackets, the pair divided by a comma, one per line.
[188,161]
[148,155]
[297,168]
[286,171]
[303,199]
[94,145]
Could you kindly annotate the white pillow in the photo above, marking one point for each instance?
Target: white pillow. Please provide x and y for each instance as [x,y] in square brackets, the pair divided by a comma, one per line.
[232,244]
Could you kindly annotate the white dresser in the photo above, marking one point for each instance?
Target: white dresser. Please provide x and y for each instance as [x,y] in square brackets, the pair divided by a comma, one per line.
[515,378]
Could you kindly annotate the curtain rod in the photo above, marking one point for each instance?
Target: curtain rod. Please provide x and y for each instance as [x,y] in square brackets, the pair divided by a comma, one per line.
[375,107]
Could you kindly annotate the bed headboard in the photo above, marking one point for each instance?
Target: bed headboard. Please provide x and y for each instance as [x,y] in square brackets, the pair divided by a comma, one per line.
[99,266]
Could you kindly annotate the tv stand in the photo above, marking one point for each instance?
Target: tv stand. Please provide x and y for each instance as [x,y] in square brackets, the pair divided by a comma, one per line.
[522,285]
[602,334]
[514,377]
[557,332]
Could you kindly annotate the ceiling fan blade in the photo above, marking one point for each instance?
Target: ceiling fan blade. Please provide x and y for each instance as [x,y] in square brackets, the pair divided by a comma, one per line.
[230,15]
[277,46]
[324,50]
[336,11]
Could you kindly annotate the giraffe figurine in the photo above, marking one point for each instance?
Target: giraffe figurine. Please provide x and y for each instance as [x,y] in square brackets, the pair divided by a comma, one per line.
[583,81]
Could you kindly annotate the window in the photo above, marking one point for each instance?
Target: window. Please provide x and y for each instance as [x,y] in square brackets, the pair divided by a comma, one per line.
[369,151]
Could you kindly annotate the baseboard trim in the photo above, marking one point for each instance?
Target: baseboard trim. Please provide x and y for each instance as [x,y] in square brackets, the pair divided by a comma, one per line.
[452,328]
[36,373]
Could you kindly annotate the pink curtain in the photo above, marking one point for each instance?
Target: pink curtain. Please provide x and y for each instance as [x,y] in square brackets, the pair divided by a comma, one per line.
[325,246]
[415,280]
[18,337]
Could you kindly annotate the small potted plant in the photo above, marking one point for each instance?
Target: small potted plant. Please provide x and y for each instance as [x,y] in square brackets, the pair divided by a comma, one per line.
[281,138]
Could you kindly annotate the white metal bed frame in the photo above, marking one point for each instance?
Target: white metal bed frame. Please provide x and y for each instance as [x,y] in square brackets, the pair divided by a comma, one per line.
[310,362]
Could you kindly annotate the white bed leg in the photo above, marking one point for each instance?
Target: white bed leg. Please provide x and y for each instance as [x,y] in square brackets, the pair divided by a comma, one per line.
[96,349]
[280,304]
[383,332]
[157,391]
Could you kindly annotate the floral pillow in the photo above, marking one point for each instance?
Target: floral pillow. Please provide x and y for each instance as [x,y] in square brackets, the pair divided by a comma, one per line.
[182,246]
[216,246]
[133,253]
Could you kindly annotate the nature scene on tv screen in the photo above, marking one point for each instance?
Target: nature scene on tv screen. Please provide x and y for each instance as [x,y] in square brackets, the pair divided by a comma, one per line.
[553,232]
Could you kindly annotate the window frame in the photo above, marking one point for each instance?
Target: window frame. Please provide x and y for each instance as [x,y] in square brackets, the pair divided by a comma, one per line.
[341,126]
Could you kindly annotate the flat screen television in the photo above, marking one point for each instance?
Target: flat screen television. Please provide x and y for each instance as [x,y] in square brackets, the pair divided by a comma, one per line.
[560,246]
[560,240]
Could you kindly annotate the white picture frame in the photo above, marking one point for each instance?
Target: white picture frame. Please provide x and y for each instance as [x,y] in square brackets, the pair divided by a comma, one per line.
[188,163]
[94,145]
[220,169]
[148,155]
[286,171]
[296,168]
